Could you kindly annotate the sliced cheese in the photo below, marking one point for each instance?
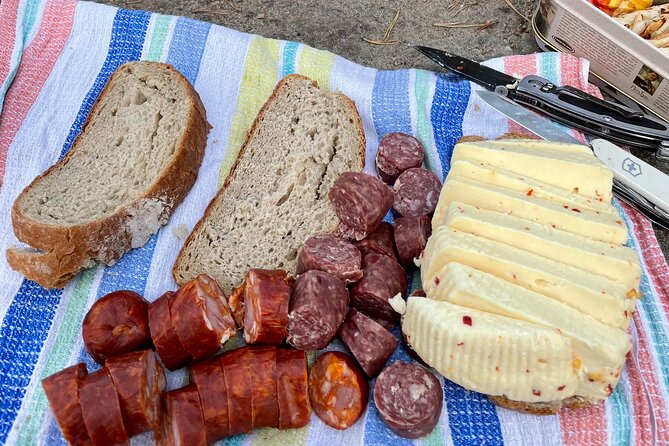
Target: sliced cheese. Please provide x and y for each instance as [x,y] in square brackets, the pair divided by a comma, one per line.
[488,174]
[600,348]
[598,296]
[605,227]
[570,170]
[491,354]
[542,144]
[616,262]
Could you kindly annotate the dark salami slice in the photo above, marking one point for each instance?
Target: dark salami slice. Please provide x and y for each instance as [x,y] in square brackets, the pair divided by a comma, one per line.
[382,279]
[397,153]
[184,423]
[209,379]
[266,306]
[139,381]
[416,193]
[101,410]
[381,241]
[292,388]
[165,339]
[411,234]
[62,391]
[201,317]
[370,343]
[409,399]
[331,254]
[360,201]
[236,304]
[338,389]
[317,308]
[238,391]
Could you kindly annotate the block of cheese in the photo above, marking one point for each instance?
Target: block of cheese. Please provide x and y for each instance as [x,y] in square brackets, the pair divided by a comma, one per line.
[542,144]
[602,298]
[491,354]
[600,348]
[616,262]
[599,226]
[488,174]
[571,170]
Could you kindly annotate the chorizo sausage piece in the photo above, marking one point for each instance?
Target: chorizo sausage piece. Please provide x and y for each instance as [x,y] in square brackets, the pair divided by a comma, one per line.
[411,234]
[266,306]
[209,379]
[317,309]
[381,241]
[292,388]
[236,304]
[416,193]
[184,423]
[265,404]
[331,254]
[360,201]
[409,399]
[238,390]
[201,317]
[338,389]
[382,279]
[117,323]
[370,343]
[139,381]
[165,338]
[61,391]
[398,152]
[101,410]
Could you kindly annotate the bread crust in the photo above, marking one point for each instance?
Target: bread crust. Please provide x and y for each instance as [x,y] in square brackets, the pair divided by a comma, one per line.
[233,170]
[67,249]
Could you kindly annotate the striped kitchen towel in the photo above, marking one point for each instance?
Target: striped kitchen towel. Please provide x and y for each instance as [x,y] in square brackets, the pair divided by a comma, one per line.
[55,57]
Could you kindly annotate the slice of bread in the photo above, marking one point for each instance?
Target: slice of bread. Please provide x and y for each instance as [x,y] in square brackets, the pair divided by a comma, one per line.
[276,195]
[133,163]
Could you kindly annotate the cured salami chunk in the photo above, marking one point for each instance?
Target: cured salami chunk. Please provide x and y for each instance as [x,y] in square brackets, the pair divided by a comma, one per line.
[360,201]
[238,391]
[263,377]
[331,254]
[165,338]
[380,241]
[101,410]
[416,193]
[62,390]
[209,380]
[370,343]
[411,234]
[184,423]
[266,300]
[236,304]
[292,388]
[397,153]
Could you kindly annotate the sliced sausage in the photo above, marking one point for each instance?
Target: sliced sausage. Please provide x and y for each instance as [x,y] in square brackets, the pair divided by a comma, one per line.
[409,399]
[338,389]
[397,153]
[292,388]
[238,391]
[331,254]
[370,343]
[164,335]
[117,323]
[101,410]
[236,304]
[381,241]
[416,193]
[382,279]
[266,306]
[360,201]
[262,377]
[201,317]
[62,389]
[139,381]
[317,308]
[209,379]
[411,234]
[184,423]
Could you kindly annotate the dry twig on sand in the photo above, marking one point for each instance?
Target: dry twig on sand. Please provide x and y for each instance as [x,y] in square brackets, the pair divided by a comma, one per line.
[480,26]
[385,40]
[511,5]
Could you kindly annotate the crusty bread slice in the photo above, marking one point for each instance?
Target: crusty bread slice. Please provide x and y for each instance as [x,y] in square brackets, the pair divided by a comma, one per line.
[133,163]
[276,195]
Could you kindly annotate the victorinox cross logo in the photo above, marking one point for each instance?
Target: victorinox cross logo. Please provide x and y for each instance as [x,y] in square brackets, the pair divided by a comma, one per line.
[632,167]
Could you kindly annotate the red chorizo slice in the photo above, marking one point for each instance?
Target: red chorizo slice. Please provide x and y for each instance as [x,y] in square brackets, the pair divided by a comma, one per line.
[338,389]
[409,399]
[317,308]
[139,381]
[201,317]
[397,153]
[382,279]
[266,306]
[416,193]
[381,241]
[165,338]
[370,343]
[238,391]
[262,362]
[331,254]
[360,201]
[292,388]
[236,304]
[101,410]
[117,323]
[411,234]
[184,423]
[209,379]
[61,391]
